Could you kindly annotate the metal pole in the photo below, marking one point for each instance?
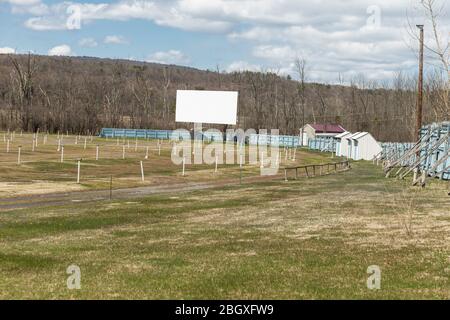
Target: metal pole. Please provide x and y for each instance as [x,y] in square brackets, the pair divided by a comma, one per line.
[78,173]
[110,188]
[18,155]
[142,171]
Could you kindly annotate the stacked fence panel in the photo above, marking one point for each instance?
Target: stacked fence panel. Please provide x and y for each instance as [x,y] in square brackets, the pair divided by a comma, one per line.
[274,140]
[322,144]
[436,160]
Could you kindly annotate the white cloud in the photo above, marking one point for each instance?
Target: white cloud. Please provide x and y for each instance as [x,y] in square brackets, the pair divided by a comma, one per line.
[87,42]
[61,50]
[333,36]
[7,50]
[115,40]
[242,66]
[168,57]
[22,2]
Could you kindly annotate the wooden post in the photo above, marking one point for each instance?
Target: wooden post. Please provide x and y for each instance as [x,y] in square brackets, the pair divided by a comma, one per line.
[85,141]
[146,153]
[142,171]
[184,164]
[34,144]
[285,175]
[96,152]
[62,154]
[159,149]
[7,146]
[59,145]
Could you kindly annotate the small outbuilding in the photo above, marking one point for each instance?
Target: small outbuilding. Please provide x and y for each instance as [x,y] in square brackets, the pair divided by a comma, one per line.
[362,146]
[342,144]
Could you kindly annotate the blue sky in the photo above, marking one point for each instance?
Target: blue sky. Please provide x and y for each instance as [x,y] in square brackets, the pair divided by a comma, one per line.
[341,37]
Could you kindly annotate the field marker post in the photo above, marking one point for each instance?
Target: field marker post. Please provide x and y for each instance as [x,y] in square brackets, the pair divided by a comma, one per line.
[34,144]
[123,152]
[85,141]
[18,155]
[217,159]
[110,188]
[146,153]
[262,160]
[96,153]
[142,171]
[78,172]
[59,145]
[62,154]
[7,146]
[285,175]
[159,149]
[184,164]
[136,145]
[240,172]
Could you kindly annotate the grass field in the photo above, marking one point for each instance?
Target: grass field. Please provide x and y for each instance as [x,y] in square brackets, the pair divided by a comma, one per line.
[304,239]
[41,170]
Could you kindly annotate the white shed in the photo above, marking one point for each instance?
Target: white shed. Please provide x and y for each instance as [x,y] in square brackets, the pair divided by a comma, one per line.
[363,146]
[342,144]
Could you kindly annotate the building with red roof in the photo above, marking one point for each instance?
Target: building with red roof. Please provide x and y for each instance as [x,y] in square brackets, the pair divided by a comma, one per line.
[311,131]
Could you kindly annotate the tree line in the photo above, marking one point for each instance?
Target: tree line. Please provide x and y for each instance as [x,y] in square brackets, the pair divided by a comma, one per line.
[82,95]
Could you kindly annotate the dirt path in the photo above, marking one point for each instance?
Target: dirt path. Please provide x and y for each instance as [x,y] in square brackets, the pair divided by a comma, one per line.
[64,198]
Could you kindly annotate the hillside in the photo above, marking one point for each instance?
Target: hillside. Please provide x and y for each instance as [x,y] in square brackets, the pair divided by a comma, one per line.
[81,94]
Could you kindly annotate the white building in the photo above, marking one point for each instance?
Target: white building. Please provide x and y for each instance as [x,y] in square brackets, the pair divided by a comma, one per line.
[312,131]
[362,146]
[342,144]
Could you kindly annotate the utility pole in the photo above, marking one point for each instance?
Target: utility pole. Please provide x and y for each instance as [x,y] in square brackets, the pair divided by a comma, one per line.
[420,86]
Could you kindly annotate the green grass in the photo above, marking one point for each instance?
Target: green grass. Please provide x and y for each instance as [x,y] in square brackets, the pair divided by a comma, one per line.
[305,239]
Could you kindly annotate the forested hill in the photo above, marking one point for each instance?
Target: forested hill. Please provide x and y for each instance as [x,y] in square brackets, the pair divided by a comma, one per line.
[80,95]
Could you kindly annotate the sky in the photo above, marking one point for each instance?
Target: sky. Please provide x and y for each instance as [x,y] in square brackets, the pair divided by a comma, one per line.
[338,39]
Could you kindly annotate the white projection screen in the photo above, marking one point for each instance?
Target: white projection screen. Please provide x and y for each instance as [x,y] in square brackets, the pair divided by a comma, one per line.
[214,107]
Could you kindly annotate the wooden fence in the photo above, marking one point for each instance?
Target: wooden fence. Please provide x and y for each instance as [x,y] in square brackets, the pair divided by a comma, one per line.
[314,170]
